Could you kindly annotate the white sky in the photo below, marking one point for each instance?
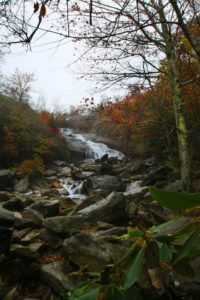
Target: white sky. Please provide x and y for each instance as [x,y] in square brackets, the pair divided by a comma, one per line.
[55,81]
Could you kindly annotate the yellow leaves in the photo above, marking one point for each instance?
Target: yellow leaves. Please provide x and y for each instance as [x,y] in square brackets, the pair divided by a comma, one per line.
[33,166]
[43,145]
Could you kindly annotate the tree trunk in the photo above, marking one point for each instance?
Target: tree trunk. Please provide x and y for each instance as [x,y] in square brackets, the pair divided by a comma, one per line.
[182,132]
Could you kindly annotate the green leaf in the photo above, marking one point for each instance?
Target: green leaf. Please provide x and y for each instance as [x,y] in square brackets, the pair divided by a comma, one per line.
[183,233]
[84,293]
[135,233]
[152,255]
[134,269]
[188,246]
[165,253]
[175,200]
[165,232]
[156,229]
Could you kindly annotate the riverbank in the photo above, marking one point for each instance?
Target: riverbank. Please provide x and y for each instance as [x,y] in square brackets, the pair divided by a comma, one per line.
[51,241]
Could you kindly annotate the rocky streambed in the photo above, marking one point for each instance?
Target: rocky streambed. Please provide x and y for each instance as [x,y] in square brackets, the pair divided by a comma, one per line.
[57,230]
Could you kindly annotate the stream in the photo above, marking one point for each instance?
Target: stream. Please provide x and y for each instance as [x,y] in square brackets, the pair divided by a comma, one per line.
[94,150]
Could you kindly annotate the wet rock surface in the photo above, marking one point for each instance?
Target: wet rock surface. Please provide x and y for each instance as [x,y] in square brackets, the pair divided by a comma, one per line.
[49,234]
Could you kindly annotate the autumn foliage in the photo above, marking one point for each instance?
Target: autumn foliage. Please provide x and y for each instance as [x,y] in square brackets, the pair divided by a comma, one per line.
[28,139]
[143,123]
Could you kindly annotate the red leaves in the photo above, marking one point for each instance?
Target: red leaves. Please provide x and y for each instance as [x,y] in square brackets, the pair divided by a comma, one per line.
[36,7]
[43,10]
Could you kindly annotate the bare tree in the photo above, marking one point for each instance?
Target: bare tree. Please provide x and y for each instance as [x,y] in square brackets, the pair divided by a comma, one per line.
[18,86]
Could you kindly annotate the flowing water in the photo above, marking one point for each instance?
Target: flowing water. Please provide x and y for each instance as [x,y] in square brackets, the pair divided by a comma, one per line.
[94,151]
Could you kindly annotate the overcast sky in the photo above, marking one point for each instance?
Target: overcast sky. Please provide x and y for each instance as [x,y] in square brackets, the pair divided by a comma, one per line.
[55,81]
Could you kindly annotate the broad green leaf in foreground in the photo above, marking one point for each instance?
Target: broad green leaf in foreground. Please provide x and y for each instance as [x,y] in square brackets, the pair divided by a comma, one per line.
[175,200]
[84,293]
[165,253]
[134,269]
[188,246]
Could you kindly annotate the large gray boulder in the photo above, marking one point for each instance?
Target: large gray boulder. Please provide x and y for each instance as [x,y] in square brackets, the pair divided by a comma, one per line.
[47,208]
[104,183]
[93,251]
[76,148]
[110,209]
[65,224]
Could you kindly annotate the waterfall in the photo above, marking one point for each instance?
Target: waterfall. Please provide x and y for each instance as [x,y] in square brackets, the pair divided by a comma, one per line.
[95,150]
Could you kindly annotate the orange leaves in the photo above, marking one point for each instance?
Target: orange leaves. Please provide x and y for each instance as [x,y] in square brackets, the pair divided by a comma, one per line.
[51,258]
[44,117]
[33,166]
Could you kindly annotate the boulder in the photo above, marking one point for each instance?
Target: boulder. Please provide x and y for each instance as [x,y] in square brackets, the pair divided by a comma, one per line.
[66,224]
[176,186]
[15,204]
[22,185]
[7,179]
[77,149]
[55,276]
[107,169]
[49,173]
[91,167]
[53,239]
[90,200]
[51,193]
[105,183]
[110,209]
[156,174]
[64,171]
[8,218]
[93,251]
[33,215]
[47,208]
[82,175]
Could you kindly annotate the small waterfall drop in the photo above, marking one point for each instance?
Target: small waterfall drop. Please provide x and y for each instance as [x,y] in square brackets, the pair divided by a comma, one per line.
[74,189]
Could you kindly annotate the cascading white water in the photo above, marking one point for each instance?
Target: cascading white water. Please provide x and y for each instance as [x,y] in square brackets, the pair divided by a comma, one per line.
[74,190]
[95,150]
[133,188]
